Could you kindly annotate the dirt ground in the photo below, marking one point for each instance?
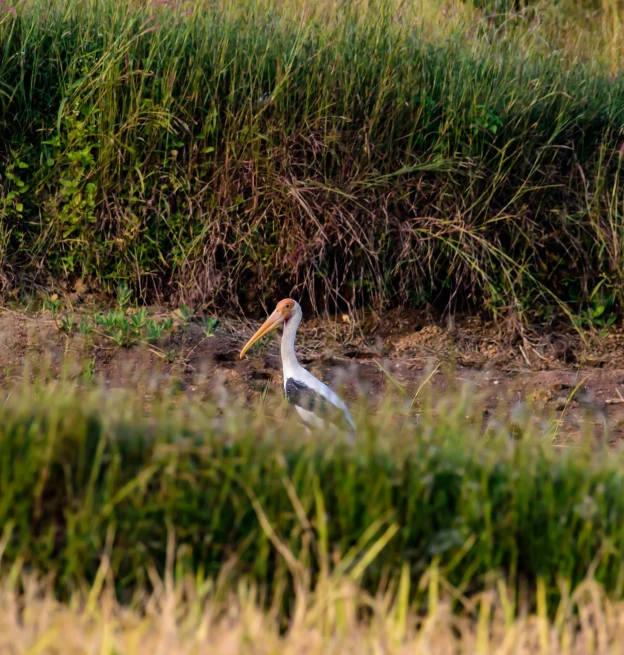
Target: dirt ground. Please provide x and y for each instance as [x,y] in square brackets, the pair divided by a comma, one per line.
[555,372]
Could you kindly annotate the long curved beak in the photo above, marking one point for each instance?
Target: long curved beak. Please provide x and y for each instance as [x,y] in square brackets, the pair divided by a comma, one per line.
[275,320]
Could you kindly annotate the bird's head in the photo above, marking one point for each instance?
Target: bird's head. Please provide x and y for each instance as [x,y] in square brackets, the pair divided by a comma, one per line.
[284,310]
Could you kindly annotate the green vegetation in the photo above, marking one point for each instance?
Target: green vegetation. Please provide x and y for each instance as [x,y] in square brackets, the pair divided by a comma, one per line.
[124,326]
[89,472]
[359,152]
[222,154]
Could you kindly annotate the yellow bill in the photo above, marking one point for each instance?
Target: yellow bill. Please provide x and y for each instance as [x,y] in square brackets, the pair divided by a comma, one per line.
[274,321]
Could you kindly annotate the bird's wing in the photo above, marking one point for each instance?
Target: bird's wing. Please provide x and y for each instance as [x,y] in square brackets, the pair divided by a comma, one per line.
[299,393]
[318,398]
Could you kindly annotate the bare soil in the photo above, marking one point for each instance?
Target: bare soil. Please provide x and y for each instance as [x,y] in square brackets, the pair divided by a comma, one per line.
[576,379]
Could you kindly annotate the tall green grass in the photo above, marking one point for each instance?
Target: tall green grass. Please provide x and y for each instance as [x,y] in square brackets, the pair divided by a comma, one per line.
[93,473]
[345,152]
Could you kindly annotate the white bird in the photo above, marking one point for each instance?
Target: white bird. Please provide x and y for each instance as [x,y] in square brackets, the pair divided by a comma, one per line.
[312,399]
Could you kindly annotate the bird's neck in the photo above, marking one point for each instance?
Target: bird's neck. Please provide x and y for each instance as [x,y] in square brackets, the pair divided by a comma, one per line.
[289,359]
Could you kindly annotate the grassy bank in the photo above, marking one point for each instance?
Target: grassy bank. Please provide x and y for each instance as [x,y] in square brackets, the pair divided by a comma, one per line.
[361,153]
[244,492]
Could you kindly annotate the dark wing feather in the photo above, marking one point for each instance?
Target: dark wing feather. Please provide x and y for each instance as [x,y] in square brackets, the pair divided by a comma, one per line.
[300,394]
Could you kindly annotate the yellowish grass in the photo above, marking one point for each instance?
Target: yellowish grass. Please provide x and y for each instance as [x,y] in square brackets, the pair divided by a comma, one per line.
[338,617]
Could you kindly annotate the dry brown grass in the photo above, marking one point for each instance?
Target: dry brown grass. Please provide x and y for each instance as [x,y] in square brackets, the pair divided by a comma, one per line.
[181,619]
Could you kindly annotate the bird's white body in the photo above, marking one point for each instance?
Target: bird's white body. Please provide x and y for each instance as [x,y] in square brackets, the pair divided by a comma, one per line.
[294,372]
[313,400]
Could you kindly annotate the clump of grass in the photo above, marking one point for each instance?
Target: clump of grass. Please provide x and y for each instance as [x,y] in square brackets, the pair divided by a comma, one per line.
[247,490]
[366,152]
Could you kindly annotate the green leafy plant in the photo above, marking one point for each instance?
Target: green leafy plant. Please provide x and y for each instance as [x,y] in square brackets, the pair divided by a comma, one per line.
[126,328]
[85,328]
[111,320]
[599,312]
[153,331]
[186,315]
[120,337]
[124,295]
[88,371]
[52,304]
[210,325]
[138,321]
[68,324]
[487,121]
[167,324]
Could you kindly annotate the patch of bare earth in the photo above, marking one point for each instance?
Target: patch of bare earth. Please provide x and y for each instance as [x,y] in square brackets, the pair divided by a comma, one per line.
[581,383]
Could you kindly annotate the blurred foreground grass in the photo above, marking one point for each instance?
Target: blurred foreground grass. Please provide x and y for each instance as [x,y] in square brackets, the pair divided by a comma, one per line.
[121,474]
[337,617]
